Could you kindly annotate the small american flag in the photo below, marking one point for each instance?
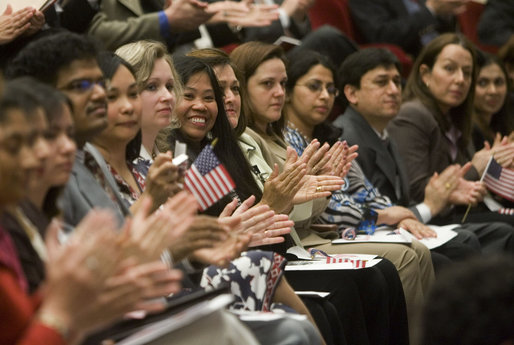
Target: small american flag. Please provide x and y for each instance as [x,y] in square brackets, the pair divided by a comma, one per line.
[356,263]
[207,179]
[500,180]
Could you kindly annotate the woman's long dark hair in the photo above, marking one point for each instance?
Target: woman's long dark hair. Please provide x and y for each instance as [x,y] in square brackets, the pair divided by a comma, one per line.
[109,64]
[226,149]
[502,122]
[300,63]
[460,115]
[216,57]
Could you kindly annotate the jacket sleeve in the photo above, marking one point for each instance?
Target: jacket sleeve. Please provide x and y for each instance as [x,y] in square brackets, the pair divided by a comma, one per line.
[377,22]
[115,33]
[496,23]
[413,129]
[16,312]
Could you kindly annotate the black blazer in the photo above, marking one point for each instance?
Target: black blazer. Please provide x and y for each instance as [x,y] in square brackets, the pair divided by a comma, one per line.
[388,21]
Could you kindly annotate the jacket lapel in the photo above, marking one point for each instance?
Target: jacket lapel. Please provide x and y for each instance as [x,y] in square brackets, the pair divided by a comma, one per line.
[89,187]
[133,5]
[383,158]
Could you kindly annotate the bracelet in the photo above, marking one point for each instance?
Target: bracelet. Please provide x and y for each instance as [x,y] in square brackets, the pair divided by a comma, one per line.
[236,29]
[54,323]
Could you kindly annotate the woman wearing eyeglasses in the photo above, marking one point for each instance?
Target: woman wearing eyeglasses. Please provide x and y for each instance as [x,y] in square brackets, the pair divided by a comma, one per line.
[265,84]
[310,98]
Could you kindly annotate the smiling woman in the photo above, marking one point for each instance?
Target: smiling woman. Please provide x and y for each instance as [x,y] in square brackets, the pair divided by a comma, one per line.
[202,118]
[491,111]
[197,111]
[120,142]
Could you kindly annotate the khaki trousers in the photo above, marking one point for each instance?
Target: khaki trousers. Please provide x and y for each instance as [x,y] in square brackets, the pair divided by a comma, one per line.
[414,265]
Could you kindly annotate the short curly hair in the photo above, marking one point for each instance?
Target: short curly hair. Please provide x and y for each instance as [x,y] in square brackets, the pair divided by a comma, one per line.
[45,57]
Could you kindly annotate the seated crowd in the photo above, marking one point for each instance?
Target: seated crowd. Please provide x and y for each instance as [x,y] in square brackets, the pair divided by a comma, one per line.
[115,117]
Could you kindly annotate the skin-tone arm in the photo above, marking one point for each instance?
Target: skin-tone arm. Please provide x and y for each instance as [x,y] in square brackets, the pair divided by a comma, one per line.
[147,235]
[446,7]
[341,157]
[185,15]
[242,13]
[36,22]
[14,24]
[265,226]
[88,285]
[468,192]
[204,232]
[297,9]
[441,186]
[162,182]
[280,188]
[222,252]
[503,150]
[293,186]
[404,218]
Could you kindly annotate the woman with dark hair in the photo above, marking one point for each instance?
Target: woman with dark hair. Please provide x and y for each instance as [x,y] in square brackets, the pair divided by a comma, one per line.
[87,284]
[120,142]
[491,107]
[265,87]
[493,123]
[296,113]
[344,285]
[202,116]
[433,127]
[28,221]
[280,197]
[201,123]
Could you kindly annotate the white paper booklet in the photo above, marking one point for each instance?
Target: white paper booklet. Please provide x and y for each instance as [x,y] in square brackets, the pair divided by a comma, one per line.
[312,293]
[321,260]
[382,235]
[176,321]
[444,234]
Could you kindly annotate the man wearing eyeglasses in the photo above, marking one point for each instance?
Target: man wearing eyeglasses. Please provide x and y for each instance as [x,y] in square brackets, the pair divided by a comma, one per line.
[371,83]
[68,62]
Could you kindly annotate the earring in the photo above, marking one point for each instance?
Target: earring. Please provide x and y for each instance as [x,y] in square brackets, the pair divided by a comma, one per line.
[209,136]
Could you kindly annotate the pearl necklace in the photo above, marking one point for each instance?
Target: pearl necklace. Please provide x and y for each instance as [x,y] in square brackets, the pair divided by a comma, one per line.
[305,137]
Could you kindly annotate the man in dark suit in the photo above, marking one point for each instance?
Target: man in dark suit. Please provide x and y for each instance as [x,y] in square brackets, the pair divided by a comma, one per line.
[409,24]
[496,25]
[370,81]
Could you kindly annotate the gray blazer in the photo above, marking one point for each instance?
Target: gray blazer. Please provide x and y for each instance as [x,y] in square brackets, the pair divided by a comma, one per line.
[83,193]
[380,164]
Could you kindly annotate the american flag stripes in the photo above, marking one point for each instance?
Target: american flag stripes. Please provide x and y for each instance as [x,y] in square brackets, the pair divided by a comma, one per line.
[500,180]
[357,263]
[207,179]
